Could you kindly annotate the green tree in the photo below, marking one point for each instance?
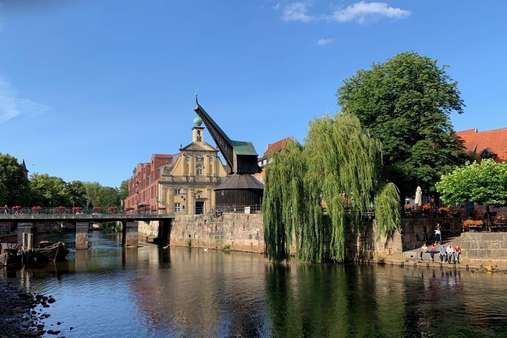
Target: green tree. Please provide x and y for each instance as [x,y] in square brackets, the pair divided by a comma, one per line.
[483,183]
[101,196]
[76,194]
[339,168]
[405,103]
[123,190]
[14,184]
[49,191]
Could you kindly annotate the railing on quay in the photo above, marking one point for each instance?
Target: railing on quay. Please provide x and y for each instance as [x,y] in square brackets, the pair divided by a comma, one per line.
[15,213]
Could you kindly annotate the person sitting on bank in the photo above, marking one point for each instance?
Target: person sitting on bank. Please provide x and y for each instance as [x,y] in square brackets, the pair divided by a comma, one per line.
[433,251]
[449,250]
[424,250]
[443,253]
[438,234]
[457,253]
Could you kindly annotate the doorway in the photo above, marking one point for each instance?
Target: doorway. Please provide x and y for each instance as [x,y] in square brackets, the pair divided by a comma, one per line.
[199,207]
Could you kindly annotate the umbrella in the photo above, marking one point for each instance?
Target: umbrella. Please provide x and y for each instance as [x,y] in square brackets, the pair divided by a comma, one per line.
[418,196]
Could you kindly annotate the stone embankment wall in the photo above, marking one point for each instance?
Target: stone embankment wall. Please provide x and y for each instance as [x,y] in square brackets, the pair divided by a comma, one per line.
[239,232]
[415,231]
[243,232]
[483,245]
[148,231]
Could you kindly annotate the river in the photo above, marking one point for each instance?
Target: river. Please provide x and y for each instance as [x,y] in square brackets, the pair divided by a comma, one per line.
[149,292]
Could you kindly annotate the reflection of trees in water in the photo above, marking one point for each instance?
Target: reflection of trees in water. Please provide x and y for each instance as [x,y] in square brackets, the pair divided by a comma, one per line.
[332,301]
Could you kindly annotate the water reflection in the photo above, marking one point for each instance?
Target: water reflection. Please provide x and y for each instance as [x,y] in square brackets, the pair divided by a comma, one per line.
[147,291]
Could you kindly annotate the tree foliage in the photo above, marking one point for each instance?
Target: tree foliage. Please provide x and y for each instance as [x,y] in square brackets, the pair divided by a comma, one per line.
[101,196]
[48,191]
[484,183]
[406,103]
[123,190]
[284,200]
[339,167]
[14,184]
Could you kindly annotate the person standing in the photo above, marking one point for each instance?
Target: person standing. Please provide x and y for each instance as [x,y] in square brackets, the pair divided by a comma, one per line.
[438,234]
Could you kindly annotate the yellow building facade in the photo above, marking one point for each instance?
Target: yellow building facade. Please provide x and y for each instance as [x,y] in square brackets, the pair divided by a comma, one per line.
[186,186]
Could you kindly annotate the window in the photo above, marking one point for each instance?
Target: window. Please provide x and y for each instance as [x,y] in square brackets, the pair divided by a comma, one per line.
[177,207]
[198,169]
[179,191]
[199,165]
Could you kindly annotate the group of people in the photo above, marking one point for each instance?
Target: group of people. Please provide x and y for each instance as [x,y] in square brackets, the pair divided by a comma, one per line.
[448,253]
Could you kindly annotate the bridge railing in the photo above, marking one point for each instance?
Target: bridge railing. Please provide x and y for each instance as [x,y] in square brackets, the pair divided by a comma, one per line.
[73,211]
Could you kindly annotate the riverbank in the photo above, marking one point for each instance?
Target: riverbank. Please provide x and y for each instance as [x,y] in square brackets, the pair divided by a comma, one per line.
[473,265]
[21,313]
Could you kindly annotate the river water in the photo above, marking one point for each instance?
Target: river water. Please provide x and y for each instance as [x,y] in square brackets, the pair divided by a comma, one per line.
[149,292]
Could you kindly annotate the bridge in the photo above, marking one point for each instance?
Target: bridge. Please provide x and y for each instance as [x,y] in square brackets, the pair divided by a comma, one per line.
[25,222]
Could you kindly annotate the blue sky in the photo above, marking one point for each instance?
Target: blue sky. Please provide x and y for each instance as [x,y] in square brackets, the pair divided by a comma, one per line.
[90,88]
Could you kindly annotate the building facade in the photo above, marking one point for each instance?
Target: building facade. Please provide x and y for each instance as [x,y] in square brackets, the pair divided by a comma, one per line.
[143,185]
[183,183]
[187,187]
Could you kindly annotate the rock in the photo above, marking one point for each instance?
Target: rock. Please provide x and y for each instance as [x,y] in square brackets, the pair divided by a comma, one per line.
[53,332]
[51,300]
[58,323]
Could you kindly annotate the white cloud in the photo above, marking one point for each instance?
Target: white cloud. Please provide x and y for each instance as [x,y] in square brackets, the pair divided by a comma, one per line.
[325,41]
[296,11]
[11,105]
[362,10]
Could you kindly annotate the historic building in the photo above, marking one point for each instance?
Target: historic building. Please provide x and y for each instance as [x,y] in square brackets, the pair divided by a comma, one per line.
[187,186]
[183,183]
[143,185]
[486,144]
[272,149]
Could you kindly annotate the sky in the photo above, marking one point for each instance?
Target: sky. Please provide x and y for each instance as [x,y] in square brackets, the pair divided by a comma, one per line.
[90,88]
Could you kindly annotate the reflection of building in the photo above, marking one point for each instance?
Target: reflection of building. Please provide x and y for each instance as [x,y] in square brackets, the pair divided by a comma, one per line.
[486,144]
[181,183]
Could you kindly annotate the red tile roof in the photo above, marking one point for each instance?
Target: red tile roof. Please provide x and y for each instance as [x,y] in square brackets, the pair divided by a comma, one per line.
[495,140]
[276,147]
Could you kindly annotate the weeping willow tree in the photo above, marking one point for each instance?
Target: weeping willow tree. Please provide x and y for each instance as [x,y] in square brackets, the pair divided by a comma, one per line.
[283,202]
[318,194]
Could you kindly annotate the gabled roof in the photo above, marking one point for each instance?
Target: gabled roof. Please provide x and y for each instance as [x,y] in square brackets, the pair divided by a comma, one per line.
[494,140]
[198,147]
[274,148]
